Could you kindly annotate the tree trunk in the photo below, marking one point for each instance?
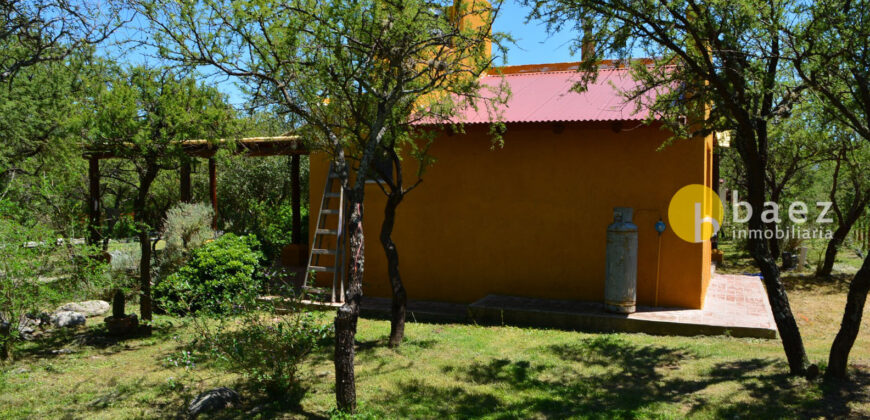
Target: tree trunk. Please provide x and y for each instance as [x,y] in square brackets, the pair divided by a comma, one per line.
[5,339]
[400,297]
[831,252]
[346,318]
[145,181]
[845,223]
[839,358]
[775,251]
[748,147]
[145,275]
[347,315]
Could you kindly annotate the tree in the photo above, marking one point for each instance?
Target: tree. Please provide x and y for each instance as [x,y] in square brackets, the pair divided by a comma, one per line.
[40,31]
[392,184]
[142,115]
[348,72]
[24,255]
[38,119]
[796,143]
[850,192]
[831,55]
[715,66]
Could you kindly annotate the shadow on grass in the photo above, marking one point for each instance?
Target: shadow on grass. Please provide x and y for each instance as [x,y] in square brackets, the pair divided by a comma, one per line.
[608,377]
[60,341]
[837,283]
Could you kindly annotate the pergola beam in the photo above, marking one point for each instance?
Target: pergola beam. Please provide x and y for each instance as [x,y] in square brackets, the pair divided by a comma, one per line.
[252,146]
[249,146]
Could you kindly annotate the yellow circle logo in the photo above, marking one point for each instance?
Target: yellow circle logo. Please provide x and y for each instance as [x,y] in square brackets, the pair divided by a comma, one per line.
[695,213]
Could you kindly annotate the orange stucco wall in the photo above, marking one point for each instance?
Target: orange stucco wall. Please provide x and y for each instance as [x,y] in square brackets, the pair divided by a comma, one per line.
[530,218]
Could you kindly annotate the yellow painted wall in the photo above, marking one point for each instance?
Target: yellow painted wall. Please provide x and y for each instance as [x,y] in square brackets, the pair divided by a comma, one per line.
[530,218]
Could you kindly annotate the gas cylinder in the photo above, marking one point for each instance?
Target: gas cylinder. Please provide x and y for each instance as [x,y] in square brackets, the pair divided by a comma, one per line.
[620,285]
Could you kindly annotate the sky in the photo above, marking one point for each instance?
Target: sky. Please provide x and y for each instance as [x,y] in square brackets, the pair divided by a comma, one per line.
[532,45]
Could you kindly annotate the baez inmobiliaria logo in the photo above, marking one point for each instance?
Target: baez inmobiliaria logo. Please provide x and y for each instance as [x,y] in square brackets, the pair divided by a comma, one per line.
[696,214]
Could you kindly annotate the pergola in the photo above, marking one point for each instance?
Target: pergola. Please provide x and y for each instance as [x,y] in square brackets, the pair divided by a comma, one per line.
[252,147]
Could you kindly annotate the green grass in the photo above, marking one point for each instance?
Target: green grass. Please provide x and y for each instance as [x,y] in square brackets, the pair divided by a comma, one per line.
[451,371]
[848,262]
[466,371]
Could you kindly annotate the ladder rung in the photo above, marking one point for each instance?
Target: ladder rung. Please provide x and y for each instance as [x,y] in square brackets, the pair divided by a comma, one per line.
[329,211]
[324,251]
[332,195]
[327,232]
[322,269]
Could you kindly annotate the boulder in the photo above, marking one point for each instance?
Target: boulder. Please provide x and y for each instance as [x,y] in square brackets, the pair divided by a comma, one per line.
[66,319]
[122,326]
[88,308]
[213,400]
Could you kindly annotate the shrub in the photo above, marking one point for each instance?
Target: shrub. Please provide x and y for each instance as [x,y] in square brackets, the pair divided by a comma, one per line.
[188,226]
[185,228]
[36,274]
[266,349]
[218,278]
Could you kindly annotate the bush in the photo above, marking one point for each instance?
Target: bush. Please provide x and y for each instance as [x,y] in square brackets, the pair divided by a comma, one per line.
[255,197]
[36,274]
[185,228]
[218,278]
[267,350]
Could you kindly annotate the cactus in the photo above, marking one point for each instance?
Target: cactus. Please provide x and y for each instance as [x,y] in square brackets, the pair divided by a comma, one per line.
[118,304]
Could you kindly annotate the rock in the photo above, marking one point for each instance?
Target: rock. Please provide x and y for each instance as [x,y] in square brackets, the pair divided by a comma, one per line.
[21,371]
[26,333]
[66,319]
[88,308]
[122,326]
[213,400]
[32,320]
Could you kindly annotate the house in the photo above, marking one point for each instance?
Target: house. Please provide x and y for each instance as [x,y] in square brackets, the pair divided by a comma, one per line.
[530,218]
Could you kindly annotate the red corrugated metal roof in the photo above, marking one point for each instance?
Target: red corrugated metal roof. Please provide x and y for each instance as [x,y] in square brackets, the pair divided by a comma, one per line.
[546,96]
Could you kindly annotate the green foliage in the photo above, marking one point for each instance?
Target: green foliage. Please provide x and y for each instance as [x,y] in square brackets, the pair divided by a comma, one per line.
[831,55]
[383,65]
[37,273]
[36,32]
[41,169]
[268,350]
[142,115]
[713,66]
[219,278]
[254,196]
[186,227]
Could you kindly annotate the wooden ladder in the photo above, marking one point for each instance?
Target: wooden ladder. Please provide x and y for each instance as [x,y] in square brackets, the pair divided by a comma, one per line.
[322,230]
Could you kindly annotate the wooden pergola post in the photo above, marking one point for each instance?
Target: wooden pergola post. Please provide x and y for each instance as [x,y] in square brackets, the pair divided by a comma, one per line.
[94,200]
[212,186]
[185,180]
[295,200]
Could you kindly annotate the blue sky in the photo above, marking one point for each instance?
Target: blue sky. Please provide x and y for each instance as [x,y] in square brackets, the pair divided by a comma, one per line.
[532,45]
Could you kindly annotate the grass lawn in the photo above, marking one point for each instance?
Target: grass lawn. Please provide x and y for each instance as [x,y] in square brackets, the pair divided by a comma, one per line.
[461,371]
[445,371]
